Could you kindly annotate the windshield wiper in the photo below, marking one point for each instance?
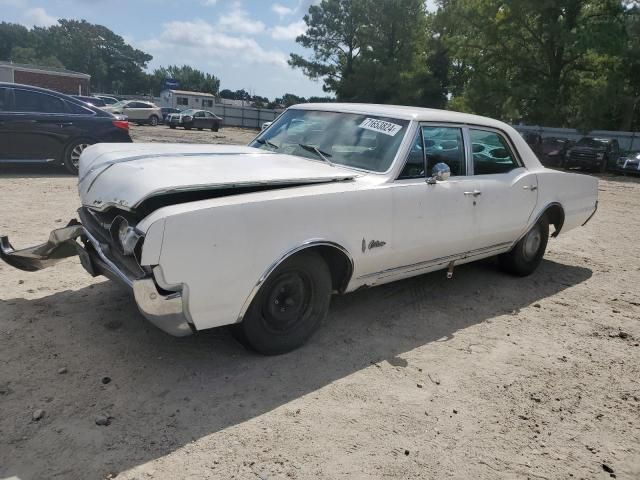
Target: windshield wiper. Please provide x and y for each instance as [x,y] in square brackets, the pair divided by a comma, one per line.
[267,142]
[317,151]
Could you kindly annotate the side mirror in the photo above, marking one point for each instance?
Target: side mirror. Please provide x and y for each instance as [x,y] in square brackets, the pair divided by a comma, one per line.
[439,173]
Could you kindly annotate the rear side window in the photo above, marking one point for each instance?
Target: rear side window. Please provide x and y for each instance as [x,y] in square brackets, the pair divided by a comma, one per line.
[28,101]
[78,109]
[491,153]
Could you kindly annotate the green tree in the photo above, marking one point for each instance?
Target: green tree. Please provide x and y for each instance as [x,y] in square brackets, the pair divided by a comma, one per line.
[371,50]
[535,60]
[12,35]
[189,78]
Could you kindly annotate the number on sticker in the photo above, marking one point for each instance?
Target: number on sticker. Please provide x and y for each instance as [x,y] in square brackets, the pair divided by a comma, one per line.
[381,126]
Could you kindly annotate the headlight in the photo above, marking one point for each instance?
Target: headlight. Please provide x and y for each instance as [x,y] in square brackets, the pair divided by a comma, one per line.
[124,236]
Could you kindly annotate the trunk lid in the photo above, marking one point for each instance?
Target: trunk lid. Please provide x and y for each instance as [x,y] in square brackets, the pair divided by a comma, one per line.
[125,175]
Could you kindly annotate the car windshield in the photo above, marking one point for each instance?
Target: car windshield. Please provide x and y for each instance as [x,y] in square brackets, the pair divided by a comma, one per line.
[592,142]
[120,103]
[366,142]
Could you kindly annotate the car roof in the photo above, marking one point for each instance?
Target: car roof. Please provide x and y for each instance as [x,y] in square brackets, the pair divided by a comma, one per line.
[403,112]
[70,98]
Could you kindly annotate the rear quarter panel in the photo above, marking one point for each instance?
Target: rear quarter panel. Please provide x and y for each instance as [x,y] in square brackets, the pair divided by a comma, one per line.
[576,193]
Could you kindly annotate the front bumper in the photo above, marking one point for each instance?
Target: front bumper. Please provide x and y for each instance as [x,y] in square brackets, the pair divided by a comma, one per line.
[165,310]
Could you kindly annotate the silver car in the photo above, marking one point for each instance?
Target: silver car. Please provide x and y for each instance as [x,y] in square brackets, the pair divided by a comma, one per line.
[137,111]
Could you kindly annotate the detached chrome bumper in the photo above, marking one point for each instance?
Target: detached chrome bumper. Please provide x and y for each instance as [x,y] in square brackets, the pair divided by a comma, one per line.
[164,310]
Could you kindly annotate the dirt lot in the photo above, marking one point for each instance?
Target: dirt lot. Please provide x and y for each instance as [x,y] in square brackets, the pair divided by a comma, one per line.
[483,376]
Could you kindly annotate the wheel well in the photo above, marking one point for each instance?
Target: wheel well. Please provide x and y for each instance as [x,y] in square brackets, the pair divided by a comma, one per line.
[339,263]
[555,215]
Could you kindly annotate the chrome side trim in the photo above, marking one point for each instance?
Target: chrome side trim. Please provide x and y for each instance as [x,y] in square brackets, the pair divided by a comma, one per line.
[542,212]
[276,264]
[435,262]
[591,216]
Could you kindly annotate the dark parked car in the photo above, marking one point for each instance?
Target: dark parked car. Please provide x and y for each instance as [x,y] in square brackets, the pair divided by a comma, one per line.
[554,151]
[168,111]
[192,118]
[96,102]
[599,154]
[534,140]
[629,163]
[42,126]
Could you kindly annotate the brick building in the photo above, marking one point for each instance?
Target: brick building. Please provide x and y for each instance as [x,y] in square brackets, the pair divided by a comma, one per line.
[59,79]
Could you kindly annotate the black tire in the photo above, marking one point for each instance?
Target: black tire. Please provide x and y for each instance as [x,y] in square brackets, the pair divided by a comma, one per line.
[188,126]
[154,120]
[527,254]
[301,284]
[72,154]
[215,127]
[172,127]
[199,129]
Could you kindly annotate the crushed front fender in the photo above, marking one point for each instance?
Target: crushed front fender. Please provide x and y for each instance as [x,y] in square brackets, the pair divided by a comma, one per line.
[61,244]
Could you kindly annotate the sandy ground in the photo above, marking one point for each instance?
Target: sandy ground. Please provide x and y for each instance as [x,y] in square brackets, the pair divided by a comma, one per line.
[483,376]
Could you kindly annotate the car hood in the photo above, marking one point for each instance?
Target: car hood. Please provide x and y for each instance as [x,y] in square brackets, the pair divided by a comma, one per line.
[125,175]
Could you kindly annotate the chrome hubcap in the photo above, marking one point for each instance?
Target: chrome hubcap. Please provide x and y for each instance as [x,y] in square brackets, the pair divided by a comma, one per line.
[532,243]
[76,152]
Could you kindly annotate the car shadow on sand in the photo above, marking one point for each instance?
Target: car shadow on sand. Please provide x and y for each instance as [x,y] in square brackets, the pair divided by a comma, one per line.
[165,392]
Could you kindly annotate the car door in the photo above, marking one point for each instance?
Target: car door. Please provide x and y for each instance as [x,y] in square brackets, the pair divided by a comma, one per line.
[38,124]
[433,223]
[5,137]
[507,191]
[135,111]
[199,120]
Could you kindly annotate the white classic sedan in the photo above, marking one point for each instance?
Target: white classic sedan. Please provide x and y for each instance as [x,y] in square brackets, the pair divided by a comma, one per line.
[328,199]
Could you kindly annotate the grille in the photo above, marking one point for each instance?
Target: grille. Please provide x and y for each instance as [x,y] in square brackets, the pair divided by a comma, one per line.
[583,155]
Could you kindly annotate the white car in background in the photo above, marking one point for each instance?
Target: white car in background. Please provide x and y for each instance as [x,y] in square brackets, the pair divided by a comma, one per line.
[265,125]
[138,111]
[329,199]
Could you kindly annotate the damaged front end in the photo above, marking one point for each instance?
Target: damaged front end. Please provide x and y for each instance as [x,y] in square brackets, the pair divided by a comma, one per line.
[88,241]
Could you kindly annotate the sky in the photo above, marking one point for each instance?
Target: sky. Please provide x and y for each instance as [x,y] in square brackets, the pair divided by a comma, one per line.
[245,43]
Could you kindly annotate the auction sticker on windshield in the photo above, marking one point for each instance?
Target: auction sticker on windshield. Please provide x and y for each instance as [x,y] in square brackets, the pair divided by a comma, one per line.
[381,126]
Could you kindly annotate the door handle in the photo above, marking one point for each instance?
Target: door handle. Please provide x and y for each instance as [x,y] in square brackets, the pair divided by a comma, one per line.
[475,193]
[533,188]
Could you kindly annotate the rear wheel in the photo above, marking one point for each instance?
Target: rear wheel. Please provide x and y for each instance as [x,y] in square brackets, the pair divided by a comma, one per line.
[289,306]
[527,254]
[72,154]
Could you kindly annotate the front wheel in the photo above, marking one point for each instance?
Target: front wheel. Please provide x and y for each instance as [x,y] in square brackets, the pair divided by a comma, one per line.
[188,126]
[72,154]
[527,254]
[153,121]
[172,127]
[289,306]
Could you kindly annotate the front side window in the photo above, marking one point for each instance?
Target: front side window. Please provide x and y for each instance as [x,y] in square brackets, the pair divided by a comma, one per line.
[28,101]
[366,142]
[440,145]
[491,153]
